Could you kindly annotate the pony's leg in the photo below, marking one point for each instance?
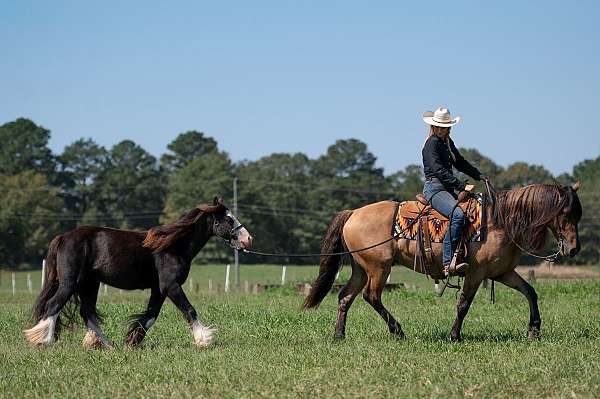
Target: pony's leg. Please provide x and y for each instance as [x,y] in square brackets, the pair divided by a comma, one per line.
[88,294]
[372,294]
[470,286]
[346,297]
[142,323]
[43,333]
[203,335]
[513,280]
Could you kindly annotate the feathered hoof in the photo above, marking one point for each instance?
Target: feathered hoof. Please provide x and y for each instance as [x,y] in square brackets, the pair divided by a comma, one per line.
[42,333]
[533,334]
[93,341]
[204,337]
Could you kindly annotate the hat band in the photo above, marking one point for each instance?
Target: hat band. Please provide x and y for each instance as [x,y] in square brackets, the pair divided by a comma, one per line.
[442,120]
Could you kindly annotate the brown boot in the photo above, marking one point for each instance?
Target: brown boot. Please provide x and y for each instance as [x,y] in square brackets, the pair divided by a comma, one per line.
[454,269]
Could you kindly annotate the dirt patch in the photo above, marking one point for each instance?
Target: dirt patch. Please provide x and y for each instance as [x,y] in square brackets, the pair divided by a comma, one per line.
[557,272]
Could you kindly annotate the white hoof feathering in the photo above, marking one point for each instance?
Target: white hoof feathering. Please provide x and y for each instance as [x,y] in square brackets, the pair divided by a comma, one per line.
[203,336]
[43,332]
[94,341]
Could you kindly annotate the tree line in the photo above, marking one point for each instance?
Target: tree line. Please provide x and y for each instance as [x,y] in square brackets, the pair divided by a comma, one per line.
[286,200]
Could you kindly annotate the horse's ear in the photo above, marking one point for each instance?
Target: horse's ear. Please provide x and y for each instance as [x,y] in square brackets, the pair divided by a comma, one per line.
[576,186]
[216,200]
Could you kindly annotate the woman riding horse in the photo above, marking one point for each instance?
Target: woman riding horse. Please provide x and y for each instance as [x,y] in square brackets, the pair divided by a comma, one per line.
[439,156]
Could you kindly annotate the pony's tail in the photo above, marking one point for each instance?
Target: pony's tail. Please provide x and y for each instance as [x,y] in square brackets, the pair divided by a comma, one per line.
[50,283]
[332,242]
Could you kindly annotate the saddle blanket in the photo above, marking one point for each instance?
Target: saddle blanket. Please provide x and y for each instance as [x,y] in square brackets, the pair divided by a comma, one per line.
[406,225]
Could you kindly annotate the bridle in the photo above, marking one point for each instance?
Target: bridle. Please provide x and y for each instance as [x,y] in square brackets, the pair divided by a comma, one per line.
[560,241]
[232,233]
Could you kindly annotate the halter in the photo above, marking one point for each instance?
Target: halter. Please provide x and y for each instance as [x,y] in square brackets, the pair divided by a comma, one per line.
[232,233]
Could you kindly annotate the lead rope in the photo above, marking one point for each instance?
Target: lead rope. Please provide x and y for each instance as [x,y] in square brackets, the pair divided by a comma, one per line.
[311,255]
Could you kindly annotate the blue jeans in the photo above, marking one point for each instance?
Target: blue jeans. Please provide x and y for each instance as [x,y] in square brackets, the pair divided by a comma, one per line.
[444,202]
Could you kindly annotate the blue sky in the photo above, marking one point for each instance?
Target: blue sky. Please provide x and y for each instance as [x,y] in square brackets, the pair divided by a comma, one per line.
[290,76]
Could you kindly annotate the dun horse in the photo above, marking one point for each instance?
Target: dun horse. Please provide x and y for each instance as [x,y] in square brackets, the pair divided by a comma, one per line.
[159,259]
[517,219]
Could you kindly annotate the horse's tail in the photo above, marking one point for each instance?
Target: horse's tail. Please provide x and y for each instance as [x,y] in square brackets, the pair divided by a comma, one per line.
[50,283]
[332,242]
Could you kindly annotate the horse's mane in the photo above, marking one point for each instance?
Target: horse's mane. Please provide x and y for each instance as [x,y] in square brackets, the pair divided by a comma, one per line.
[523,213]
[162,237]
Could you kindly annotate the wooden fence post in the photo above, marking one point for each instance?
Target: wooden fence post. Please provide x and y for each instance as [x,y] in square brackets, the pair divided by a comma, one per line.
[29,287]
[14,284]
[43,271]
[283,270]
[227,278]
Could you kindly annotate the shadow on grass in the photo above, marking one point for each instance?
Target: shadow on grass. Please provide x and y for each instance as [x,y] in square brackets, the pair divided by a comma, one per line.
[444,336]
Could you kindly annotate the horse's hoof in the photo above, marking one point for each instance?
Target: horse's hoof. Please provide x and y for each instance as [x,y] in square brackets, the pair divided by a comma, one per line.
[93,341]
[533,334]
[339,337]
[455,338]
[400,336]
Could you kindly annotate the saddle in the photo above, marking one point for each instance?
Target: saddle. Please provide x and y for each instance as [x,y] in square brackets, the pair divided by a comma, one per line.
[416,220]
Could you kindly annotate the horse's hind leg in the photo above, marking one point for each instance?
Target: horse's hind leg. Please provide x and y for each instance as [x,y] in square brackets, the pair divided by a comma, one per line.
[346,297]
[513,280]
[45,331]
[141,323]
[372,294]
[88,294]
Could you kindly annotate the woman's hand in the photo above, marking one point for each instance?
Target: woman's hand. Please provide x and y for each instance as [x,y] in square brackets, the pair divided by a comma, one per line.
[469,187]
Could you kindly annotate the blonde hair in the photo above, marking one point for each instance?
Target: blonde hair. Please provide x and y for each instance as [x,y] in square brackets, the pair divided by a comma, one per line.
[443,133]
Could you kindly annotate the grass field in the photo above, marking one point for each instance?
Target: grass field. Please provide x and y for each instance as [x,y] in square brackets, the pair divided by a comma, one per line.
[267,347]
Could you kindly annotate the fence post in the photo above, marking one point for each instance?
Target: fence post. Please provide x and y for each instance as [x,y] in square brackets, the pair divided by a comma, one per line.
[14,284]
[43,271]
[29,288]
[337,275]
[105,289]
[191,284]
[227,278]
[283,270]
[246,286]
[209,285]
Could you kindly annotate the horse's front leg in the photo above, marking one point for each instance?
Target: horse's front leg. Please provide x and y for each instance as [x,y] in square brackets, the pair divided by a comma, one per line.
[513,280]
[470,286]
[203,335]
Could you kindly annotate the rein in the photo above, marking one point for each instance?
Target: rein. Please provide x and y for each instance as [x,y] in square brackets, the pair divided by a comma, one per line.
[549,258]
[311,255]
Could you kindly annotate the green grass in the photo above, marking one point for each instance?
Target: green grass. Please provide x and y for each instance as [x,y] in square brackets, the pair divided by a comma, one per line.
[267,347]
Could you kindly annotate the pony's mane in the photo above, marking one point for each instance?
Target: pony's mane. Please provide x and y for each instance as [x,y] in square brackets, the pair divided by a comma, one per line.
[523,213]
[162,237]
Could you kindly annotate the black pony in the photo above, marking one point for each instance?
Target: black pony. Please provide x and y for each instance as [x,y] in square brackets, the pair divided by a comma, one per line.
[159,259]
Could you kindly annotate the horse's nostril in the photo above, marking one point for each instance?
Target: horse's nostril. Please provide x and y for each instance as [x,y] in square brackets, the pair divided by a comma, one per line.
[573,252]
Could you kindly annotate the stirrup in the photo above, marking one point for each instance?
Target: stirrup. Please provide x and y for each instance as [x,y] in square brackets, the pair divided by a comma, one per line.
[454,269]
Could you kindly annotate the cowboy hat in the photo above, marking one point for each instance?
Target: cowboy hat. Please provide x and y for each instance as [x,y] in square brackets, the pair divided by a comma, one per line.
[441,117]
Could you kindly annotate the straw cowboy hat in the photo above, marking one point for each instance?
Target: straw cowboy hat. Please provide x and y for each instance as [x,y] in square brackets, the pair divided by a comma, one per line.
[441,117]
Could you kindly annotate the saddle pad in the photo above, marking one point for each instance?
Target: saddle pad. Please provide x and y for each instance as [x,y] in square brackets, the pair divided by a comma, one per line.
[406,225]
